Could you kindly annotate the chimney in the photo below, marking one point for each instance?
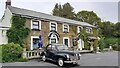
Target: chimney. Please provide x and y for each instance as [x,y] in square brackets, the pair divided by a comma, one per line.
[8,3]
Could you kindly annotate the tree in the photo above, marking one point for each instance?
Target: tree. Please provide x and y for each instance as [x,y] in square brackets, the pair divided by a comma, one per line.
[89,17]
[108,29]
[68,11]
[117,30]
[56,10]
[65,11]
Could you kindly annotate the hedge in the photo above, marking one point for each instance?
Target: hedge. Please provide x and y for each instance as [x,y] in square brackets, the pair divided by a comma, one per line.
[11,52]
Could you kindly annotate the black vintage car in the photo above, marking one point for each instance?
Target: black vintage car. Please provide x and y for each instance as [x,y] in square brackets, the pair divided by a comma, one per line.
[60,53]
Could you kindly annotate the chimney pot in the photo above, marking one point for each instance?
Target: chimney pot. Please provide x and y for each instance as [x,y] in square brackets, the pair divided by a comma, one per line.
[8,2]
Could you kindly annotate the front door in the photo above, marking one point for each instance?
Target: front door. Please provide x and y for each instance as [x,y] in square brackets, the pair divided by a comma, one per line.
[66,41]
[80,44]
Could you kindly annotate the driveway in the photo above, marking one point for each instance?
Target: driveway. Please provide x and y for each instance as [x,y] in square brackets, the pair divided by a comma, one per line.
[89,59]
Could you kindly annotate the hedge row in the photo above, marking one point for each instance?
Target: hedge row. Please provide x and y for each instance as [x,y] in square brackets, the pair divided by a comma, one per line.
[11,52]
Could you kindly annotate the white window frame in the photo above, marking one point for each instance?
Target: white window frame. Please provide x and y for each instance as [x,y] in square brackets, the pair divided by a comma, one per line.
[64,29]
[39,24]
[79,29]
[89,29]
[32,41]
[54,23]
[53,37]
[68,40]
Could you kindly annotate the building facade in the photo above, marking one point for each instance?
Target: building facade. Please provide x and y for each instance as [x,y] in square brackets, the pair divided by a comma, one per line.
[52,29]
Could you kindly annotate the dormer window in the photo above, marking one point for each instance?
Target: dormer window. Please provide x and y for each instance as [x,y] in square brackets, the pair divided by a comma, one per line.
[65,28]
[53,26]
[36,25]
[79,29]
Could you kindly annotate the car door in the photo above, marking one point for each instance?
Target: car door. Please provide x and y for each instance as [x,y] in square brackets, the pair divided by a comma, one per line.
[53,52]
[48,51]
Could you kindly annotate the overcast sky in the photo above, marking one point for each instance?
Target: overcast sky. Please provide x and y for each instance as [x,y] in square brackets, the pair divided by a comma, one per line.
[107,10]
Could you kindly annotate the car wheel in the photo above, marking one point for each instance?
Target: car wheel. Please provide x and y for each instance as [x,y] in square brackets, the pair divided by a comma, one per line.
[60,62]
[44,58]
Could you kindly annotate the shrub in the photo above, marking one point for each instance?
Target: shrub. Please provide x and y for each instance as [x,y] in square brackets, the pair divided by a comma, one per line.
[102,43]
[110,41]
[22,59]
[0,54]
[11,52]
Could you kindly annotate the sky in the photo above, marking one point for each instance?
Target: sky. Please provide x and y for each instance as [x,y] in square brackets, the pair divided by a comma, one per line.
[107,10]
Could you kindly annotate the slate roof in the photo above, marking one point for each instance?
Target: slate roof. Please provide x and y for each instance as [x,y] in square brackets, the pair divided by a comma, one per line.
[30,13]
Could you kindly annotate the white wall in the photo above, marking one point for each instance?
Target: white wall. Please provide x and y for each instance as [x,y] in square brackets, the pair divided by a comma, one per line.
[3,37]
[5,22]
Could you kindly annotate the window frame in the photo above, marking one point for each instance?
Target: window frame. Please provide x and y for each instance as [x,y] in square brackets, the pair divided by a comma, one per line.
[88,29]
[78,30]
[32,37]
[39,24]
[52,22]
[65,28]
[52,37]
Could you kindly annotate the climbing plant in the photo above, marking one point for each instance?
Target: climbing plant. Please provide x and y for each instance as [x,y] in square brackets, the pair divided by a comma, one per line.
[83,36]
[18,32]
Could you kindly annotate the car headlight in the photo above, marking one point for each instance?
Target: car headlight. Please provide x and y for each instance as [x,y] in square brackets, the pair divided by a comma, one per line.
[67,56]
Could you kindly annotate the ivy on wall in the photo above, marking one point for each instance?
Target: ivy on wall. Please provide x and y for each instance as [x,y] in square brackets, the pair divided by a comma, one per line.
[83,35]
[18,32]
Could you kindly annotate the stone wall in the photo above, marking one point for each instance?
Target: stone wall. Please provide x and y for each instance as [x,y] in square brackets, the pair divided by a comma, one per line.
[45,31]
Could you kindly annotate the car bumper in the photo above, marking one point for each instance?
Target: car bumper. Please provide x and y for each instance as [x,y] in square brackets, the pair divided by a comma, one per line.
[71,61]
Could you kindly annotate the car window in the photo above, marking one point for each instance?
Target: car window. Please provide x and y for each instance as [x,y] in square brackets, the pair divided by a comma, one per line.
[62,47]
[53,47]
[49,47]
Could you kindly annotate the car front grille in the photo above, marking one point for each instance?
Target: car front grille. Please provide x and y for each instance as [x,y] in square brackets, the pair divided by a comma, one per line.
[75,57]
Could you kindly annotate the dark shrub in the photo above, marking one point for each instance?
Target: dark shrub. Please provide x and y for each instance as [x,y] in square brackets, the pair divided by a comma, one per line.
[11,52]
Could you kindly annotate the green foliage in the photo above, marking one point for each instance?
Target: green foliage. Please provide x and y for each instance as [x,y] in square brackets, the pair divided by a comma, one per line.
[18,32]
[65,11]
[89,17]
[102,43]
[107,29]
[110,41]
[11,52]
[22,59]
[105,42]
[0,54]
[116,32]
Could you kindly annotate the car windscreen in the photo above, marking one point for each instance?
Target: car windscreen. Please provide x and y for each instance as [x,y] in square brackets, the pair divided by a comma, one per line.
[62,47]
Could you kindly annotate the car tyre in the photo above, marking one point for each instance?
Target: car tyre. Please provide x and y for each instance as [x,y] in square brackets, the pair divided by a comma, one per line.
[60,62]
[44,58]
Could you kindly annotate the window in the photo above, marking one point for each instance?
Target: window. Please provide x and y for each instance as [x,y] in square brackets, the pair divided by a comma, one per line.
[4,32]
[65,28]
[88,30]
[35,43]
[53,26]
[79,29]
[36,25]
[53,39]
[66,41]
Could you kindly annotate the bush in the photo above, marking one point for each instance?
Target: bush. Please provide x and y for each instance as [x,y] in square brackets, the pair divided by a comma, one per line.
[102,43]
[11,52]
[0,54]
[22,60]
[110,41]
